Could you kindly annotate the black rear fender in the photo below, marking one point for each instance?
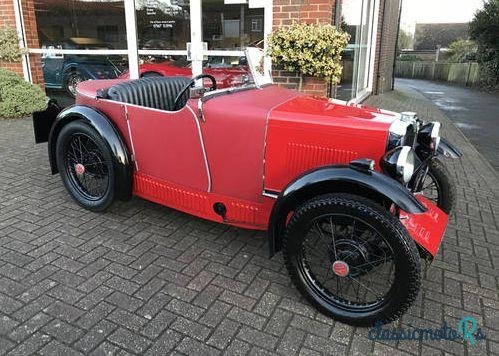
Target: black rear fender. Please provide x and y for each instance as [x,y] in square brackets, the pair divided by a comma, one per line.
[99,122]
[336,179]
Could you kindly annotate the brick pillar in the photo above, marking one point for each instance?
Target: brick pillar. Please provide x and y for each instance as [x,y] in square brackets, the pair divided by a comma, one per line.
[7,18]
[386,43]
[30,27]
[286,12]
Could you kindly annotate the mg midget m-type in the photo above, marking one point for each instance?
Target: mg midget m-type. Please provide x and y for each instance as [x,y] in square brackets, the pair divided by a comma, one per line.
[354,197]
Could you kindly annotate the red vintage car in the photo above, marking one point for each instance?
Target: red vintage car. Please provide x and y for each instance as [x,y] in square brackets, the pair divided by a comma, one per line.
[226,76]
[354,197]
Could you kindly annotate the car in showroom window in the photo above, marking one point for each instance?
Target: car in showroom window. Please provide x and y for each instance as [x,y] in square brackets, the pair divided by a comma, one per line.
[66,71]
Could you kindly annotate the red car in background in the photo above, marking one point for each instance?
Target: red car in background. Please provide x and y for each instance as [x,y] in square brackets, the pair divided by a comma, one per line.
[226,76]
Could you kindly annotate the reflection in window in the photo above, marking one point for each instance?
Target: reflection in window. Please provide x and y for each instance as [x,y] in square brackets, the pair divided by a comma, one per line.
[231,26]
[79,25]
[228,71]
[98,24]
[163,24]
[356,18]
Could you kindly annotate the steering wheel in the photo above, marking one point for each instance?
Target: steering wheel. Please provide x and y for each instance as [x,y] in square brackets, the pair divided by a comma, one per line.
[176,103]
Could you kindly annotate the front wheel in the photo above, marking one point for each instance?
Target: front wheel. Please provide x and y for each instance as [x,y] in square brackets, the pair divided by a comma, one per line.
[352,259]
[85,165]
[439,187]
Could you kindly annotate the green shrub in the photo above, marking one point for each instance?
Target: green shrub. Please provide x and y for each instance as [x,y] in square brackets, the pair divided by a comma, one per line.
[461,51]
[19,98]
[310,49]
[9,45]
[484,30]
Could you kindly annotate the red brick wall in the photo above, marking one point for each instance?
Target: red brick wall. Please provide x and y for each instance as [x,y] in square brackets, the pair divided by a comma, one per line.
[30,27]
[7,18]
[286,12]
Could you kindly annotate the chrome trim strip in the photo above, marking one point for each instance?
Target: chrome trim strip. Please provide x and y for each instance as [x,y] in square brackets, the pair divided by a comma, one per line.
[270,194]
[207,166]
[127,118]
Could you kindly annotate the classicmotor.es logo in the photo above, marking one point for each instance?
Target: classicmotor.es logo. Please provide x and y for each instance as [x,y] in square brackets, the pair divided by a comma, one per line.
[467,329]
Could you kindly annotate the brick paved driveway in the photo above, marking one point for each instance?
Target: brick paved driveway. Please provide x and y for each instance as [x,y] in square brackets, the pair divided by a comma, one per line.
[146,279]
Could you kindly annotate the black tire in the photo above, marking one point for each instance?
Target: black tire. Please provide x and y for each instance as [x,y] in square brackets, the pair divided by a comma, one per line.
[92,187]
[400,251]
[151,75]
[73,78]
[439,187]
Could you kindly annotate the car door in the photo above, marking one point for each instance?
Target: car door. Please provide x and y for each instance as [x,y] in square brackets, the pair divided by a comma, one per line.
[167,145]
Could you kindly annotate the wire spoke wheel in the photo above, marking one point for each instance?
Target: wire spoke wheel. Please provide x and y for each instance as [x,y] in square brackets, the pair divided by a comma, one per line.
[86,167]
[72,81]
[347,261]
[431,188]
[352,259]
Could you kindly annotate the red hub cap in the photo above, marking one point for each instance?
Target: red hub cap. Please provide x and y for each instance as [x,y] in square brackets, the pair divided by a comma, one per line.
[79,169]
[340,268]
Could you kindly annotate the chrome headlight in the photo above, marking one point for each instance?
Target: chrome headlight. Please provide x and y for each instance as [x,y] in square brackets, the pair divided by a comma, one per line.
[429,135]
[401,133]
[399,163]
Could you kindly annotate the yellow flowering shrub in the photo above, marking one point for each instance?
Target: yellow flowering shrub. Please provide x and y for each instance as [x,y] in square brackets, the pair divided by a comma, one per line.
[310,49]
[9,45]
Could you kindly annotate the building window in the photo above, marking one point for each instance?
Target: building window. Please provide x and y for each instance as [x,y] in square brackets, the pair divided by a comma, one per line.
[163,24]
[357,18]
[231,26]
[257,25]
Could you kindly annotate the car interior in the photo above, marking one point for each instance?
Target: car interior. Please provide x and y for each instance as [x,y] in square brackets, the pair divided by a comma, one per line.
[153,92]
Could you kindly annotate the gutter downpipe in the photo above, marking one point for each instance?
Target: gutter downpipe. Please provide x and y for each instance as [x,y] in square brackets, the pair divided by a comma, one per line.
[378,74]
[396,44]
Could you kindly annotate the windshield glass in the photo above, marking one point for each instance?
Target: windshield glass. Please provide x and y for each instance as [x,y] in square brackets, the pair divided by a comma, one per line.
[256,62]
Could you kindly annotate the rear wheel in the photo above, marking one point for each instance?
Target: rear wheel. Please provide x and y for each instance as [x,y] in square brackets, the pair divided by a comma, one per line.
[352,259]
[85,165]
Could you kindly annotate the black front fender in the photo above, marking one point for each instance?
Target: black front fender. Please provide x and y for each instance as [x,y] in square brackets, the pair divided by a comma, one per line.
[447,149]
[336,179]
[99,122]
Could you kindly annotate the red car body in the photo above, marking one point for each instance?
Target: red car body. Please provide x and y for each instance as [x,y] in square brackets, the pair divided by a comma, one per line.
[225,76]
[248,158]
[340,189]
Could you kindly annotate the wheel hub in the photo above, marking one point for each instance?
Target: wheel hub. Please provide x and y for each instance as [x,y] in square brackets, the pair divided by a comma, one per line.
[341,269]
[79,169]
[351,251]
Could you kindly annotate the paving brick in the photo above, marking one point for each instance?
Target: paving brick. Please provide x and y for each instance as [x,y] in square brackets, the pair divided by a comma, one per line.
[165,344]
[223,334]
[63,311]
[248,318]
[237,348]
[193,347]
[129,340]
[191,328]
[95,336]
[30,345]
[159,323]
[257,337]
[55,348]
